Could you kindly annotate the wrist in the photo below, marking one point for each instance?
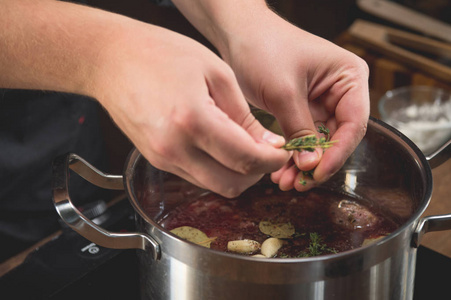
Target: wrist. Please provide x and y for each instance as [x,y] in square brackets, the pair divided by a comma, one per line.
[243,30]
[224,22]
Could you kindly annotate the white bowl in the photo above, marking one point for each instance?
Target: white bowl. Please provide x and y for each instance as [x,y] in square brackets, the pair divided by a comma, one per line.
[422,113]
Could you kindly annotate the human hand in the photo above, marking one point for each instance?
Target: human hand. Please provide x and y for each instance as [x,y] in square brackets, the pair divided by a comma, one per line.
[182,108]
[303,81]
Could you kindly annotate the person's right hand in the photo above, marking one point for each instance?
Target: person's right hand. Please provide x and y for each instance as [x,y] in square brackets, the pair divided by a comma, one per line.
[181,106]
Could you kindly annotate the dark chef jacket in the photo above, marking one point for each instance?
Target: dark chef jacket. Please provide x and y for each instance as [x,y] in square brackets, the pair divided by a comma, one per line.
[35,127]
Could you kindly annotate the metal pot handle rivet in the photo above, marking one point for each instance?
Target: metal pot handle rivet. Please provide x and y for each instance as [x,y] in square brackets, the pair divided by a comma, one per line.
[77,221]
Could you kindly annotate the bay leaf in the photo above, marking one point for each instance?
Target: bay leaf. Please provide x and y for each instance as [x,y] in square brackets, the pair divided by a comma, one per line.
[277,230]
[193,235]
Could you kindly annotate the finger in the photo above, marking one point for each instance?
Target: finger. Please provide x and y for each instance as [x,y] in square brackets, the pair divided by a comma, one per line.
[288,178]
[231,135]
[226,93]
[303,182]
[351,118]
[306,160]
[334,158]
[277,175]
[203,170]
[231,145]
[296,121]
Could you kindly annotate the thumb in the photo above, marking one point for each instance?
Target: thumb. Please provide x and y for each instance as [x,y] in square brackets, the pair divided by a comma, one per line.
[297,122]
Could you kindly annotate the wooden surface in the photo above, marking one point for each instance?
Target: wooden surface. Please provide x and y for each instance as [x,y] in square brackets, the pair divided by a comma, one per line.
[396,44]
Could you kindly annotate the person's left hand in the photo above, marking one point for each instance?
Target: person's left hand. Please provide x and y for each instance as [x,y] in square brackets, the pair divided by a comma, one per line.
[303,80]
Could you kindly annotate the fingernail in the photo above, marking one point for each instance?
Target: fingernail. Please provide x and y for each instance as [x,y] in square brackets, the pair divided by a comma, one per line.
[273,139]
[306,159]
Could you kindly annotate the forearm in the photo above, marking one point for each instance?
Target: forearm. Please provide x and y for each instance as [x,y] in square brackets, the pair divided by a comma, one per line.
[53,45]
[224,22]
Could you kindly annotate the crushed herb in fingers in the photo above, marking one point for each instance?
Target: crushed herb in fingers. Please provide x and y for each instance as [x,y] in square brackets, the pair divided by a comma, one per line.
[307,143]
[310,143]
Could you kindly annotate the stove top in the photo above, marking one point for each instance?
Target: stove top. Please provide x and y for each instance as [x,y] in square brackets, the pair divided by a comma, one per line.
[71,267]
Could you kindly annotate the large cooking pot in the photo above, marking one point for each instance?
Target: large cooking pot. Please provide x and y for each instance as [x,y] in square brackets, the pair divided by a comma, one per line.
[386,169]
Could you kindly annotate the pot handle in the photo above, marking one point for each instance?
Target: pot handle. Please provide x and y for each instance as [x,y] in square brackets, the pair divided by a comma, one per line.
[438,222]
[429,224]
[77,221]
[439,156]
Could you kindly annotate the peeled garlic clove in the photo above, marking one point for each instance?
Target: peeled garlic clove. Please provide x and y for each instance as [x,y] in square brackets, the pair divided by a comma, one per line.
[243,246]
[271,246]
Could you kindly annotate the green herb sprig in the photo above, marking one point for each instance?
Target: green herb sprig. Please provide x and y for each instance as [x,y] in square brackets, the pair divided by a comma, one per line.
[310,143]
[316,247]
[307,143]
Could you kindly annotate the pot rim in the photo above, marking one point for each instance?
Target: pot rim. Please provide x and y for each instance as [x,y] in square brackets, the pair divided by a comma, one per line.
[390,131]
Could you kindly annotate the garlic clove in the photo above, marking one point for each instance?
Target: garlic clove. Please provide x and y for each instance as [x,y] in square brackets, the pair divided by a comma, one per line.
[243,246]
[271,246]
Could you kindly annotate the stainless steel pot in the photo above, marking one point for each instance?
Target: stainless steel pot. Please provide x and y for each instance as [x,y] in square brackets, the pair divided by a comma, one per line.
[386,169]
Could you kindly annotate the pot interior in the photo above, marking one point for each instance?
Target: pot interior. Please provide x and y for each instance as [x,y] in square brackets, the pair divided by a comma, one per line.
[386,171]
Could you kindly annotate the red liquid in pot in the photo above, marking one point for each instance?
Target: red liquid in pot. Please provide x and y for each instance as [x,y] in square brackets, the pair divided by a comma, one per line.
[341,222]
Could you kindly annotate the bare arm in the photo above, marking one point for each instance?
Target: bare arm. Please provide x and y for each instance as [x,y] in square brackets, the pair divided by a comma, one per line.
[53,45]
[177,101]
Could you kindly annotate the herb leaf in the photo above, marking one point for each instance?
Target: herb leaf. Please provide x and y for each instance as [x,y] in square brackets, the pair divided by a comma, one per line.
[193,235]
[277,230]
[316,247]
[310,143]
[307,143]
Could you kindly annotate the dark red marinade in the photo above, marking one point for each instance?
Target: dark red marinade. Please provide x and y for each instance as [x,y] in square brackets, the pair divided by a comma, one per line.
[341,222]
